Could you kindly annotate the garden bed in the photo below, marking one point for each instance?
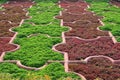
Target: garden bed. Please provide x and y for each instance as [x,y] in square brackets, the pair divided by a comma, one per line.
[4,27]
[22,3]
[97,69]
[79,49]
[5,46]
[11,16]
[65,4]
[83,23]
[87,50]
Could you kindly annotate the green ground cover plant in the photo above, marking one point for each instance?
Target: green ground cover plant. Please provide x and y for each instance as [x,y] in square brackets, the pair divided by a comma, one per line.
[111,15]
[52,30]
[35,51]
[54,71]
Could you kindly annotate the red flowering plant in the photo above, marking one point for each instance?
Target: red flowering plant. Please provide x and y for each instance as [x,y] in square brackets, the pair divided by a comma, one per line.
[97,68]
[80,49]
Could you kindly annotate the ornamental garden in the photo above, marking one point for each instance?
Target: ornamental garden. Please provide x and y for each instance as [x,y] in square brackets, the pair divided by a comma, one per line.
[59,40]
